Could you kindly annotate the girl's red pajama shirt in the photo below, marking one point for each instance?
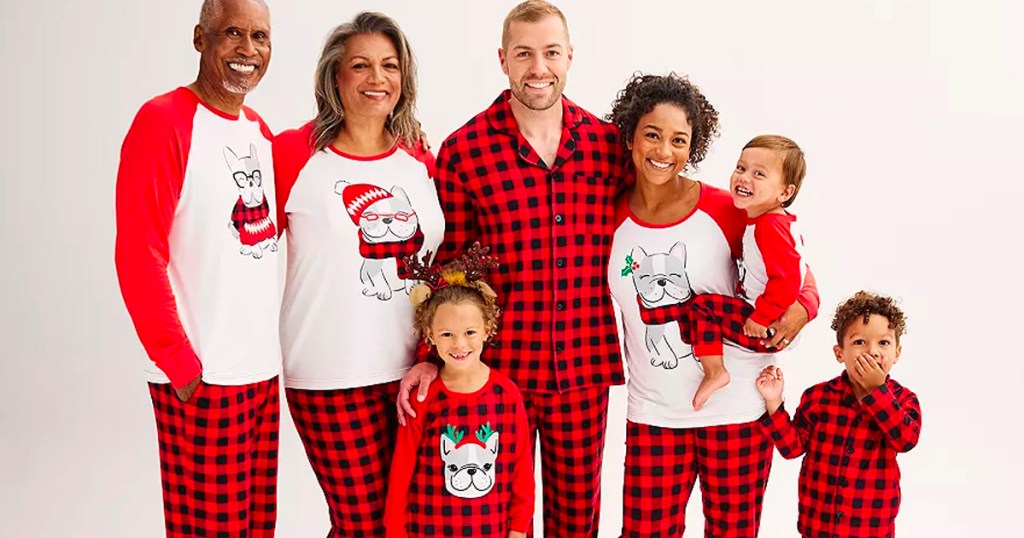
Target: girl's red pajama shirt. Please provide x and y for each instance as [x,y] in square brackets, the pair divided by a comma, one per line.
[463,466]
[849,480]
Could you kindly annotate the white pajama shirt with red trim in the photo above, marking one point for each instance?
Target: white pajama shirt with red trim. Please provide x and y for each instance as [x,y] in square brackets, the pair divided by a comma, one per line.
[346,320]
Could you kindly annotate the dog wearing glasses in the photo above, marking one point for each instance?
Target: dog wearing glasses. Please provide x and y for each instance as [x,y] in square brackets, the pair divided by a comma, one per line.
[250,218]
[389,230]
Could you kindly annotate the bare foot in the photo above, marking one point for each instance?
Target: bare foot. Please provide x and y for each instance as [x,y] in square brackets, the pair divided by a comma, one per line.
[713,380]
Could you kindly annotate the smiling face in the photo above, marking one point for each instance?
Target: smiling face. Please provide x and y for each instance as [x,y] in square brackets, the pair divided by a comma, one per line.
[234,48]
[369,77]
[757,183]
[536,59]
[459,332]
[874,338]
[661,144]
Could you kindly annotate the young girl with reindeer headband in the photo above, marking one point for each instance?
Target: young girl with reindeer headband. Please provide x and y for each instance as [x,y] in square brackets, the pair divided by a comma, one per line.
[462,466]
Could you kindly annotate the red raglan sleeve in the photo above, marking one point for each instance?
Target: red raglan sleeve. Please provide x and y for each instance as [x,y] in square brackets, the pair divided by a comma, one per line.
[782,264]
[809,295]
[523,487]
[459,210]
[292,150]
[149,181]
[403,465]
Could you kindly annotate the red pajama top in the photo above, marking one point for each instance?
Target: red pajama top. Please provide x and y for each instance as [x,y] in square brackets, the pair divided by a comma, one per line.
[772,268]
[550,225]
[849,480]
[463,466]
[196,248]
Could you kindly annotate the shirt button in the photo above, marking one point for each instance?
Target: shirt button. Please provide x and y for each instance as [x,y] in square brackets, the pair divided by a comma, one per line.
[560,306]
[559,219]
[560,262]
[849,450]
[843,482]
[839,516]
[559,347]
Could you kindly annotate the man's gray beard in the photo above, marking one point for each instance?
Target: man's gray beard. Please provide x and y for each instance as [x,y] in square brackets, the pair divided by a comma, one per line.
[242,90]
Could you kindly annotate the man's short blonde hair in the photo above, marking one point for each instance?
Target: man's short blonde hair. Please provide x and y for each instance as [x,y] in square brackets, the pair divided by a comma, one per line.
[531,11]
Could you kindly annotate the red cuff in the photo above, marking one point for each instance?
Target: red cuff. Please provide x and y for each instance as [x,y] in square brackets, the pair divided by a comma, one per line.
[182,367]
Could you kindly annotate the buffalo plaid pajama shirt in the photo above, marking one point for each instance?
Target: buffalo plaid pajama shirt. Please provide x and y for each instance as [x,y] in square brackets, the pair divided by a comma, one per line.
[349,436]
[849,480]
[218,459]
[550,225]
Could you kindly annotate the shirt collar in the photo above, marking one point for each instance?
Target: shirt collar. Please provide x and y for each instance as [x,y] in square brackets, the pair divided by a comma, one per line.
[841,384]
[500,118]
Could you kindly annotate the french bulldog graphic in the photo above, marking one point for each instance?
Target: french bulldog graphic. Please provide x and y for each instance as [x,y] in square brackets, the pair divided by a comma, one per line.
[389,230]
[469,466]
[250,218]
[660,280]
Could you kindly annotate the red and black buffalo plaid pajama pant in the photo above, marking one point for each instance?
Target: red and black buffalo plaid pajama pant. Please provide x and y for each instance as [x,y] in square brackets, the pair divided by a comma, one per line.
[571,427]
[662,464]
[218,459]
[349,435]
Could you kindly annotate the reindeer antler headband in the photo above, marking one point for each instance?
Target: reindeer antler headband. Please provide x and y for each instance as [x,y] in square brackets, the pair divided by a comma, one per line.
[468,271]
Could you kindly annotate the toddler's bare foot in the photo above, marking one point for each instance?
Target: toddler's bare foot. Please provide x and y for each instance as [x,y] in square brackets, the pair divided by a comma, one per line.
[713,380]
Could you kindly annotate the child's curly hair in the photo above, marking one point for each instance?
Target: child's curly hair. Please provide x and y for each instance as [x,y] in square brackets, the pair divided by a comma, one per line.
[461,281]
[644,92]
[861,306]
[457,294]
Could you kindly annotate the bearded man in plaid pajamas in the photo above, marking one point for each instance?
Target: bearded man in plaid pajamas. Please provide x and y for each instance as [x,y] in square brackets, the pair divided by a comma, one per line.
[196,257]
[534,177]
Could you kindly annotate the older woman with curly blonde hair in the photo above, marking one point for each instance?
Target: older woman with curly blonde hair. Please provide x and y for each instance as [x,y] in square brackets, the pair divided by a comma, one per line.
[355,195]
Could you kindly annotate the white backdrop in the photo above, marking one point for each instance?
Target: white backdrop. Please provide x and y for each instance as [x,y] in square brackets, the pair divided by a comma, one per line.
[910,113]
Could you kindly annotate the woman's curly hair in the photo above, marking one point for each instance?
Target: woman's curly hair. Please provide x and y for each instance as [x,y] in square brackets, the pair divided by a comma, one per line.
[861,306]
[644,92]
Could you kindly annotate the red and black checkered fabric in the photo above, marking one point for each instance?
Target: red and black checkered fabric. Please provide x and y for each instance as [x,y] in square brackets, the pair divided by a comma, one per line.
[349,435]
[443,498]
[551,226]
[252,223]
[849,480]
[218,459]
[392,249]
[662,464]
[571,427]
[705,321]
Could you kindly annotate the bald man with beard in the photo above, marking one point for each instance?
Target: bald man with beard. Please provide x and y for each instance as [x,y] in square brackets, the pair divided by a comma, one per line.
[196,257]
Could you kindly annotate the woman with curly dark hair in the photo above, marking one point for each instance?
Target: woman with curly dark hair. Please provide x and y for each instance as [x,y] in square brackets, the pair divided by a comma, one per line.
[678,237]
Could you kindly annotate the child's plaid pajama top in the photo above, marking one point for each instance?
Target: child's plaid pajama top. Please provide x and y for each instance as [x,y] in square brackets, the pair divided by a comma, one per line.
[849,481]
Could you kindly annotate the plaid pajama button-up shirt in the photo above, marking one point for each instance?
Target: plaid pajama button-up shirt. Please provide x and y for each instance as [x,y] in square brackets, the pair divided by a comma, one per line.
[849,481]
[551,227]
